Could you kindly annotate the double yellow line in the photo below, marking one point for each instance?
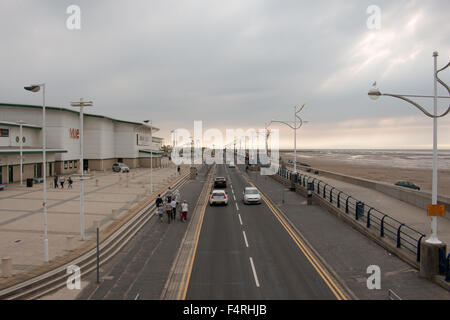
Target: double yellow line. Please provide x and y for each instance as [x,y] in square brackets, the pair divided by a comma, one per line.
[303,248]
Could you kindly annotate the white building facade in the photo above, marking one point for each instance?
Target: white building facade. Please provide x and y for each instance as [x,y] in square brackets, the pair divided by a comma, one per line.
[106,141]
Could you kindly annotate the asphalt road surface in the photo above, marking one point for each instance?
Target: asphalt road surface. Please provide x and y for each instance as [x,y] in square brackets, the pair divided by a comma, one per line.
[245,253]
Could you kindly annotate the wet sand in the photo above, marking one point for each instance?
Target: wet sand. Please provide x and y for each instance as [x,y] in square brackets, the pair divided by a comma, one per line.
[420,177]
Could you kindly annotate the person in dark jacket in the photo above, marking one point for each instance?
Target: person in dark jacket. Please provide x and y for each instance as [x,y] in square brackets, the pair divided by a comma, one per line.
[159,201]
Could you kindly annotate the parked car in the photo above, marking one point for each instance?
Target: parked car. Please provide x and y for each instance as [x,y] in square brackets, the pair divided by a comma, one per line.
[120,167]
[220,182]
[231,165]
[218,197]
[251,195]
[407,184]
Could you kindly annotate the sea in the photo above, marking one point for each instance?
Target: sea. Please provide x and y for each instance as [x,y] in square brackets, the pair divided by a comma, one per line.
[383,157]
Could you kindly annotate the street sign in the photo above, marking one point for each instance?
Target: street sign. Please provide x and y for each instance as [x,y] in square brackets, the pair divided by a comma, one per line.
[436,210]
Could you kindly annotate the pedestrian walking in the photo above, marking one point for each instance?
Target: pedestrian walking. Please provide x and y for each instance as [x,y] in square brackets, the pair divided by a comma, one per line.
[178,169]
[160,213]
[169,194]
[176,196]
[169,209]
[173,203]
[61,181]
[70,181]
[159,201]
[55,180]
[184,211]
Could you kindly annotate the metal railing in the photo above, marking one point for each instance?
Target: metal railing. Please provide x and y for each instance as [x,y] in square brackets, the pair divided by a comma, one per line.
[386,226]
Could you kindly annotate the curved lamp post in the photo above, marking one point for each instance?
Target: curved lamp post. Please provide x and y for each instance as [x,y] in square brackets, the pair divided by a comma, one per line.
[296,124]
[36,88]
[374,94]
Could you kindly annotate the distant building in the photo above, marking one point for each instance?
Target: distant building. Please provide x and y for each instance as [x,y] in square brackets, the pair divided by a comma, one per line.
[106,140]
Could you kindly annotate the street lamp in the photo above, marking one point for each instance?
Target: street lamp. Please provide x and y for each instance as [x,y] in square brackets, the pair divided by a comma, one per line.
[296,124]
[21,123]
[374,94]
[81,104]
[151,154]
[36,88]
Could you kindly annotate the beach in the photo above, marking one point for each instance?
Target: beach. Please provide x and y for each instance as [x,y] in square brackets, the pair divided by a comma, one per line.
[353,164]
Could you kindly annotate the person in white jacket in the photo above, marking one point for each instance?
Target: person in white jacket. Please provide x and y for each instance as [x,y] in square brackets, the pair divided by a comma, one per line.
[184,211]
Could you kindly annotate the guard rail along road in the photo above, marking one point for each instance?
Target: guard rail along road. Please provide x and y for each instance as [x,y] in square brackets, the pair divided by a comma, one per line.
[391,231]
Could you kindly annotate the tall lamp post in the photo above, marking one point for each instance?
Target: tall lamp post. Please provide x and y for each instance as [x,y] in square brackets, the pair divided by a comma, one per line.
[151,154]
[36,88]
[296,124]
[374,94]
[81,104]
[21,123]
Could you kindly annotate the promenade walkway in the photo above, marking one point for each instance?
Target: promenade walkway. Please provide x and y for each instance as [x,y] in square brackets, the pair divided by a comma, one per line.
[22,219]
[411,215]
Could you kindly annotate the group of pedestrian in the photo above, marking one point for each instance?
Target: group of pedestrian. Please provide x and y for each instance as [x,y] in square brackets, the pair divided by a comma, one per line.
[170,206]
[61,180]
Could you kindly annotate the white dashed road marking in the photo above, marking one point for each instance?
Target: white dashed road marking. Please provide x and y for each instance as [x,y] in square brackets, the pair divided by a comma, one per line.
[254,272]
[245,238]
[240,220]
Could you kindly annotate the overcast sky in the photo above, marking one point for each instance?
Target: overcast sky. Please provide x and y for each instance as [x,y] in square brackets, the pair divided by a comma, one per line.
[236,64]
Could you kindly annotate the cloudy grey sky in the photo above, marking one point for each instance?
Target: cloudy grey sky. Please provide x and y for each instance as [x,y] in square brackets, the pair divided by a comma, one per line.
[236,64]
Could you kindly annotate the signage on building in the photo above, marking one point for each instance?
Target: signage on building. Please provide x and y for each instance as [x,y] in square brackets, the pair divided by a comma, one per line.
[74,133]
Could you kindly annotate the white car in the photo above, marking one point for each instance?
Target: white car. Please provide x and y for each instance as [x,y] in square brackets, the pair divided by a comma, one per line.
[251,195]
[231,165]
[218,197]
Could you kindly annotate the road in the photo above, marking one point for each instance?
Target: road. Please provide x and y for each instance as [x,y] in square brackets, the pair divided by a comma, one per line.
[245,253]
[140,270]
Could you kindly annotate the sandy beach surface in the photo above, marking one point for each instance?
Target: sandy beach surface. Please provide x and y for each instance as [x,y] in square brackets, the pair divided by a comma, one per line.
[382,173]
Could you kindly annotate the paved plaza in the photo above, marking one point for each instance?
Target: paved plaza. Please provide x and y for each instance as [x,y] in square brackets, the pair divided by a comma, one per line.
[22,218]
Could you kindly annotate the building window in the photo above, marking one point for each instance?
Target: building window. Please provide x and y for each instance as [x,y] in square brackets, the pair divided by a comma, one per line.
[66,165]
[75,162]
[4,132]
[70,164]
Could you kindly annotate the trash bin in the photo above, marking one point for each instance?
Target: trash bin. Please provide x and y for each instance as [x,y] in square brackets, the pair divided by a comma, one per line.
[29,183]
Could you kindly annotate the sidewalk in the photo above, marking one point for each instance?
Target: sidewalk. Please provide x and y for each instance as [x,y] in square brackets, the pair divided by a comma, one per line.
[411,215]
[348,251]
[22,220]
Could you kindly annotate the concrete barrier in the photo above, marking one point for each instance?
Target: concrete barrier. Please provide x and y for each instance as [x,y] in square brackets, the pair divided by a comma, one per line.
[6,267]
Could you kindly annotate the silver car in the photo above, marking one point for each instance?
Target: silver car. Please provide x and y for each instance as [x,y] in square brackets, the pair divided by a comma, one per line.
[120,167]
[251,195]
[218,197]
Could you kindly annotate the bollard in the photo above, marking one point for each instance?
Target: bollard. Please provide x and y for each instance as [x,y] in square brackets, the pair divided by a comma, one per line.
[69,243]
[115,214]
[310,192]
[6,267]
[96,224]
